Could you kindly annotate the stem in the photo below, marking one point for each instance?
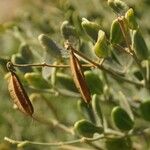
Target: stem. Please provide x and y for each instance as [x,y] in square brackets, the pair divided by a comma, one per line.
[122,49]
[47,65]
[112,73]
[92,63]
[82,140]
[121,23]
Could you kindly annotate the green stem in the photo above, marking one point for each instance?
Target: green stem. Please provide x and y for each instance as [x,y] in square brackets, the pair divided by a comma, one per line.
[92,63]
[82,140]
[121,23]
[110,72]
[47,65]
[110,134]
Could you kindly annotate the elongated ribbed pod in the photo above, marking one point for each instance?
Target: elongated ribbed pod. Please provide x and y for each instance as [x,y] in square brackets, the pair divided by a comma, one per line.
[19,95]
[79,78]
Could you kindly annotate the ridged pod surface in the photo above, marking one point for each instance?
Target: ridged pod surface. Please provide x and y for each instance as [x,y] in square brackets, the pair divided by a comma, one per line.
[19,95]
[79,78]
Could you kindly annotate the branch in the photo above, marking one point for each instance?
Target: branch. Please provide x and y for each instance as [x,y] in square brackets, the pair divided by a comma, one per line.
[121,23]
[110,134]
[81,140]
[47,65]
[110,72]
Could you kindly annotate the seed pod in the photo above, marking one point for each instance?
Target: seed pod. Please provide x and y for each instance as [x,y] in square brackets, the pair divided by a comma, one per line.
[19,95]
[93,79]
[91,28]
[79,78]
[50,46]
[131,20]
[145,110]
[118,6]
[139,45]
[101,48]
[121,119]
[36,80]
[116,35]
[86,128]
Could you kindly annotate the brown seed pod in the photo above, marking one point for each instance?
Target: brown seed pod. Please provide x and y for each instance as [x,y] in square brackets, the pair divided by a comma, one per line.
[79,78]
[19,95]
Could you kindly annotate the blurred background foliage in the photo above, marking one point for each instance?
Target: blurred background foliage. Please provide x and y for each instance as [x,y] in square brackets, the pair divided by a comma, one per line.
[22,21]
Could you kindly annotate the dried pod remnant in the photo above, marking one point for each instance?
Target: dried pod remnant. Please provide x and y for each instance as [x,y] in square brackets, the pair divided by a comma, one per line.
[79,78]
[19,95]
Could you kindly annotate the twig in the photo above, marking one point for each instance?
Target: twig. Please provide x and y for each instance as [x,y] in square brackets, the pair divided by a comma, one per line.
[92,63]
[111,134]
[110,72]
[82,140]
[121,23]
[122,49]
[47,65]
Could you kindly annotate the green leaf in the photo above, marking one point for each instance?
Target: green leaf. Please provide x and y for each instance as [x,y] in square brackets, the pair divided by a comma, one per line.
[101,47]
[116,35]
[50,46]
[77,22]
[86,128]
[68,30]
[18,59]
[91,28]
[96,108]
[119,143]
[25,52]
[121,60]
[65,81]
[36,81]
[118,6]
[86,110]
[123,101]
[131,19]
[94,82]
[145,110]
[121,119]
[139,45]
[47,71]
